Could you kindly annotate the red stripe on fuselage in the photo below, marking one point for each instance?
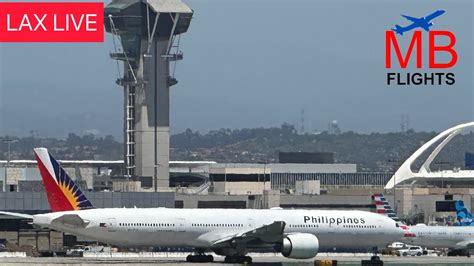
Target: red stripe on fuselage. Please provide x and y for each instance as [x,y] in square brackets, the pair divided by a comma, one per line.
[56,198]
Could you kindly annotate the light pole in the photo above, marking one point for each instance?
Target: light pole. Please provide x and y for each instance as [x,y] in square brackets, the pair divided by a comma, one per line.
[264,176]
[9,142]
[155,178]
[264,180]
[394,184]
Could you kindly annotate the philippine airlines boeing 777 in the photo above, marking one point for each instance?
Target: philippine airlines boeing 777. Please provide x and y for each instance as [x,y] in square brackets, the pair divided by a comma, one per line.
[232,233]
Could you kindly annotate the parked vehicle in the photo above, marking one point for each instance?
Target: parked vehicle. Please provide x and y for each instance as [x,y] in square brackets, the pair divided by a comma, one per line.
[410,251]
[97,249]
[397,245]
[76,251]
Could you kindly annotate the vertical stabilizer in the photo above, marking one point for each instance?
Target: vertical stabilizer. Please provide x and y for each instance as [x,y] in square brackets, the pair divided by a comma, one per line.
[383,207]
[463,215]
[63,193]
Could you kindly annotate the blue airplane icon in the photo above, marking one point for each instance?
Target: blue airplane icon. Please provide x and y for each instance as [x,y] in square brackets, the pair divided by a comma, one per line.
[423,22]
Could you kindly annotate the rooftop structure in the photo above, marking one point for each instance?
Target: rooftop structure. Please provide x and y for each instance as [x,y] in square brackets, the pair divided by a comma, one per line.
[425,173]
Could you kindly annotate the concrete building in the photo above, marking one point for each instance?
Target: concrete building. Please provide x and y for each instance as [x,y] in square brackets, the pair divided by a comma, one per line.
[36,202]
[22,171]
[285,175]
[308,187]
[240,179]
[100,175]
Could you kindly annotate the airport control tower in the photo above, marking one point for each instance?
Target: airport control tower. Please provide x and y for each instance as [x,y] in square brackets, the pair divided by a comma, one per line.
[146,35]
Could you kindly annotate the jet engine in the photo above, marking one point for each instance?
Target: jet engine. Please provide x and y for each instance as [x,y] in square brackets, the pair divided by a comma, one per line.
[300,246]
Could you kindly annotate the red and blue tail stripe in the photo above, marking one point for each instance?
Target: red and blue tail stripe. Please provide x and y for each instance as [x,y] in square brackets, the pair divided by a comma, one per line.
[383,207]
[63,193]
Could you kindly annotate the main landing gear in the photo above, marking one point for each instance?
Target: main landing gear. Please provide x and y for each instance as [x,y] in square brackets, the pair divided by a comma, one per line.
[238,259]
[199,258]
[375,257]
[459,252]
[374,260]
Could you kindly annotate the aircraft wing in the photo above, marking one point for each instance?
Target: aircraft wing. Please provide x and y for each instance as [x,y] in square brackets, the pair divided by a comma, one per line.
[17,215]
[412,19]
[70,220]
[434,15]
[266,234]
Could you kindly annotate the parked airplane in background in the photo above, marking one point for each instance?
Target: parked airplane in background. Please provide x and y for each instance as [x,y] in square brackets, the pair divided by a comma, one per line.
[460,239]
[231,232]
[423,22]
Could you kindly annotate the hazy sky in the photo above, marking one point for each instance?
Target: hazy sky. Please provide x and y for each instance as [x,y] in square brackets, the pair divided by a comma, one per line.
[249,63]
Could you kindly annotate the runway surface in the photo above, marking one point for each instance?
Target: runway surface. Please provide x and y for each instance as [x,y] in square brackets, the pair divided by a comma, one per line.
[276,260]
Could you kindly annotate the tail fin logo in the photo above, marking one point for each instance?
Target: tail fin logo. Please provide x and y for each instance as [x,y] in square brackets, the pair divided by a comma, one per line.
[383,207]
[63,193]
[463,215]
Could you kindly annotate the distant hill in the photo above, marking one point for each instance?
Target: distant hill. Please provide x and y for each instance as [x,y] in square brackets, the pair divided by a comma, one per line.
[371,152]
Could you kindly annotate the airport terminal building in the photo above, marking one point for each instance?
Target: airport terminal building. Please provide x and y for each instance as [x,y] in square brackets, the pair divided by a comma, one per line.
[297,181]
[311,180]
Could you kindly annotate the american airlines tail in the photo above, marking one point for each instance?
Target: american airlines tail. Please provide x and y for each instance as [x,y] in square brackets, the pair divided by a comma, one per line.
[383,207]
[63,193]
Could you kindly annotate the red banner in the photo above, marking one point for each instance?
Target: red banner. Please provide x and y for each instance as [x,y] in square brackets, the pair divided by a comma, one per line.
[51,22]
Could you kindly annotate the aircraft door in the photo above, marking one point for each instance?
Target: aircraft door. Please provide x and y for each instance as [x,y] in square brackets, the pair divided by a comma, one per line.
[332,228]
[251,222]
[181,225]
[111,225]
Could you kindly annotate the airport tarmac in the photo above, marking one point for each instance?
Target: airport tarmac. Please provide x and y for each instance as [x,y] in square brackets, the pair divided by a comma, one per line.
[276,260]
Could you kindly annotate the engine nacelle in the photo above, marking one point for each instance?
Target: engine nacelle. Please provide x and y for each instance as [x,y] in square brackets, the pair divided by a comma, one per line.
[300,246]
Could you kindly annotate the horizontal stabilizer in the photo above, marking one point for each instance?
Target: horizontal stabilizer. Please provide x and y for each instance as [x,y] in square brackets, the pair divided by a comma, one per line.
[398,30]
[17,215]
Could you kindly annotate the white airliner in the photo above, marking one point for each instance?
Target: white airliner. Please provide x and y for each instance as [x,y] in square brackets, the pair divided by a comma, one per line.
[232,233]
[460,239]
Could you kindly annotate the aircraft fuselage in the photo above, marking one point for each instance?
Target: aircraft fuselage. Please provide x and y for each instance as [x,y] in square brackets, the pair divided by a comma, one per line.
[199,227]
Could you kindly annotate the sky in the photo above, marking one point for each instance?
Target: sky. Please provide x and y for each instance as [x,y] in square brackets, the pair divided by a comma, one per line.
[250,63]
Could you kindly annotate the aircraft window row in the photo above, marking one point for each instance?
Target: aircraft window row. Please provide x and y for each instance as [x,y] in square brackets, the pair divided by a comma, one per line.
[147,224]
[218,225]
[442,233]
[359,226]
[303,225]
